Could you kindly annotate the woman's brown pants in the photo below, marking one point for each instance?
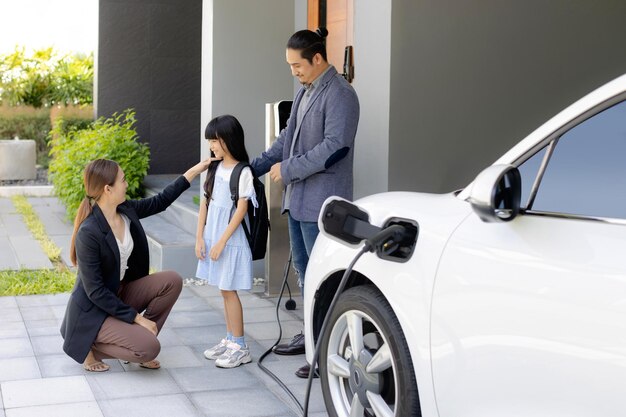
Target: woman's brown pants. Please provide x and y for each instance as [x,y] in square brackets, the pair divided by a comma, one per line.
[156,294]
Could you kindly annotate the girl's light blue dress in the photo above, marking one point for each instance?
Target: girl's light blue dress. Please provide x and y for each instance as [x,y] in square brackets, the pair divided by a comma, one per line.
[233,269]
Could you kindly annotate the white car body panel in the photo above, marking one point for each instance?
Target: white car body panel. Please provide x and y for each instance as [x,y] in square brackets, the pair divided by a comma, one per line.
[439,214]
[487,308]
[521,297]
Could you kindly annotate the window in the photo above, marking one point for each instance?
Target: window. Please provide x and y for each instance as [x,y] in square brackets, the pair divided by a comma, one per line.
[586,174]
[528,172]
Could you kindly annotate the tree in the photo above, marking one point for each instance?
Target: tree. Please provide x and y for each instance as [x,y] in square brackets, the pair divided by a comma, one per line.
[45,78]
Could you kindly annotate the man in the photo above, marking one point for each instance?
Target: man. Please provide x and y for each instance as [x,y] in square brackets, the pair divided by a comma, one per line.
[313,155]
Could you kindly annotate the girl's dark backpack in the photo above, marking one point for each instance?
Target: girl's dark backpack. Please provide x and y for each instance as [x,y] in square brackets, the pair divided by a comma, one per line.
[258,225]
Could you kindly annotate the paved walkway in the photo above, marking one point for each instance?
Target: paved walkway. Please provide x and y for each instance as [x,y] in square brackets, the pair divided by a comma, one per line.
[38,379]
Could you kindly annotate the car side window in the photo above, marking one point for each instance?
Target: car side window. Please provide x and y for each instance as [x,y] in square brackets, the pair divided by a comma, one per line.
[528,172]
[586,174]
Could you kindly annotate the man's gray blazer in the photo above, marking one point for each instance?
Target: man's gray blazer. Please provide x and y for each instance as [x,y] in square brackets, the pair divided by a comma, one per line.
[323,155]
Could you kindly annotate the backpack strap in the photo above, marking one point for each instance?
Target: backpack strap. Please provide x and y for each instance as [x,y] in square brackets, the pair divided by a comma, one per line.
[234,191]
[234,182]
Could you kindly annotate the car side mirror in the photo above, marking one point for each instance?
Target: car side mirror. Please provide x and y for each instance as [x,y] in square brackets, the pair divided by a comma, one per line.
[496,193]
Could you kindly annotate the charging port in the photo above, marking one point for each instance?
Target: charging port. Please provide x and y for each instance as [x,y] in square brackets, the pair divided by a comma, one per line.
[401,250]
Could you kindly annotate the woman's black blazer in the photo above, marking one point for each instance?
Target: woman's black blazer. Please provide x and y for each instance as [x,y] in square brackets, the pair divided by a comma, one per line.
[94,296]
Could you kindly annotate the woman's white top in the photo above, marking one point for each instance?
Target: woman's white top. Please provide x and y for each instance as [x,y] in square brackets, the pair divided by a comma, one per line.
[125,246]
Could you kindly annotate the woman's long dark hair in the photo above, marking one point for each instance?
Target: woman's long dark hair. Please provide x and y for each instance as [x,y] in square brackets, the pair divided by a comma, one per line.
[229,130]
[97,174]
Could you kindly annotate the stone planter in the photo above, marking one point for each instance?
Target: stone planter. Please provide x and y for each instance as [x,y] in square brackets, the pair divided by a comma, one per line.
[17,159]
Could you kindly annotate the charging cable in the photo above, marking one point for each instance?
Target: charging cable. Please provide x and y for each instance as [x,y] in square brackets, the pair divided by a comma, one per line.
[280,334]
[379,241]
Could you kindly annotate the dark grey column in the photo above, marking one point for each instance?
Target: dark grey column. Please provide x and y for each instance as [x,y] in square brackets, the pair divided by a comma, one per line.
[470,79]
[149,59]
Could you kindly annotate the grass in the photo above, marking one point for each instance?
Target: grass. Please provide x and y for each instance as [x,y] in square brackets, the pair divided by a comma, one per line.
[36,228]
[39,281]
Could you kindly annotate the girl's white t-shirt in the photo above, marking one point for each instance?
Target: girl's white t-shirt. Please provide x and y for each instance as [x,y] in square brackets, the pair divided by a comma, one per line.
[246,188]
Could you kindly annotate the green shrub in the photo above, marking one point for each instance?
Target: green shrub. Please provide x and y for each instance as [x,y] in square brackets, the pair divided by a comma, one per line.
[113,138]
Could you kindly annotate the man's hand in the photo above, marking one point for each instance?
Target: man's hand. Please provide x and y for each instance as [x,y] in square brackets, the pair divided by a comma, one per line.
[275,173]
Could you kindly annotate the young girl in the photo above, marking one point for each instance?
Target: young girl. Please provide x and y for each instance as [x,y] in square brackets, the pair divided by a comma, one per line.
[224,257]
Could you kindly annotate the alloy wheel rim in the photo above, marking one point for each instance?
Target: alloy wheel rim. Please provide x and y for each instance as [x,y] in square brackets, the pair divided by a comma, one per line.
[361,371]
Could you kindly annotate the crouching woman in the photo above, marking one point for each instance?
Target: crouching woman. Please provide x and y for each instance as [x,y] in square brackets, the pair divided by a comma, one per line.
[103,317]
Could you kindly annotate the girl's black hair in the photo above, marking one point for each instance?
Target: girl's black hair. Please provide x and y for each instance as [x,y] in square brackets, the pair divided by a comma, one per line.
[309,43]
[229,130]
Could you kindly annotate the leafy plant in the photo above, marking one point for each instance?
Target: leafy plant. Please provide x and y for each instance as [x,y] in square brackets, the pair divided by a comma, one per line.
[38,281]
[110,138]
[45,78]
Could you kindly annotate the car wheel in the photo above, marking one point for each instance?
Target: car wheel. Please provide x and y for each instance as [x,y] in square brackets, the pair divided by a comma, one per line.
[365,364]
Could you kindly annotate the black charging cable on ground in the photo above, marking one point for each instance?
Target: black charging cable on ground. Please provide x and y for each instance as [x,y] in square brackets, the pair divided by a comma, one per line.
[382,238]
[289,303]
[378,242]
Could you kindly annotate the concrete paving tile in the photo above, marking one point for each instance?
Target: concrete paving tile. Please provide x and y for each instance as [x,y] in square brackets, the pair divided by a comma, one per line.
[12,329]
[163,406]
[37,313]
[47,345]
[192,303]
[258,403]
[212,378]
[8,302]
[14,224]
[108,386]
[269,330]
[42,300]
[10,314]
[6,205]
[204,335]
[63,243]
[42,327]
[29,253]
[167,337]
[193,319]
[186,293]
[254,301]
[62,365]
[59,311]
[171,357]
[15,348]
[48,391]
[8,257]
[205,291]
[84,409]
[19,368]
[52,224]
[216,302]
[265,314]
[198,351]
[284,370]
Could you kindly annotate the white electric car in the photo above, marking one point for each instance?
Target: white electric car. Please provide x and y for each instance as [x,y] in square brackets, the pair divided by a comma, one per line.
[505,299]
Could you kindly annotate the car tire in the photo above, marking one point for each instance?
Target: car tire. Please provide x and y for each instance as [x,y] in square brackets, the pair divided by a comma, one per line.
[378,380]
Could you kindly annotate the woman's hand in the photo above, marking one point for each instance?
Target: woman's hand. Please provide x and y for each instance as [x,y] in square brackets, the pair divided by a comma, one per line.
[200,249]
[199,168]
[147,324]
[216,250]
